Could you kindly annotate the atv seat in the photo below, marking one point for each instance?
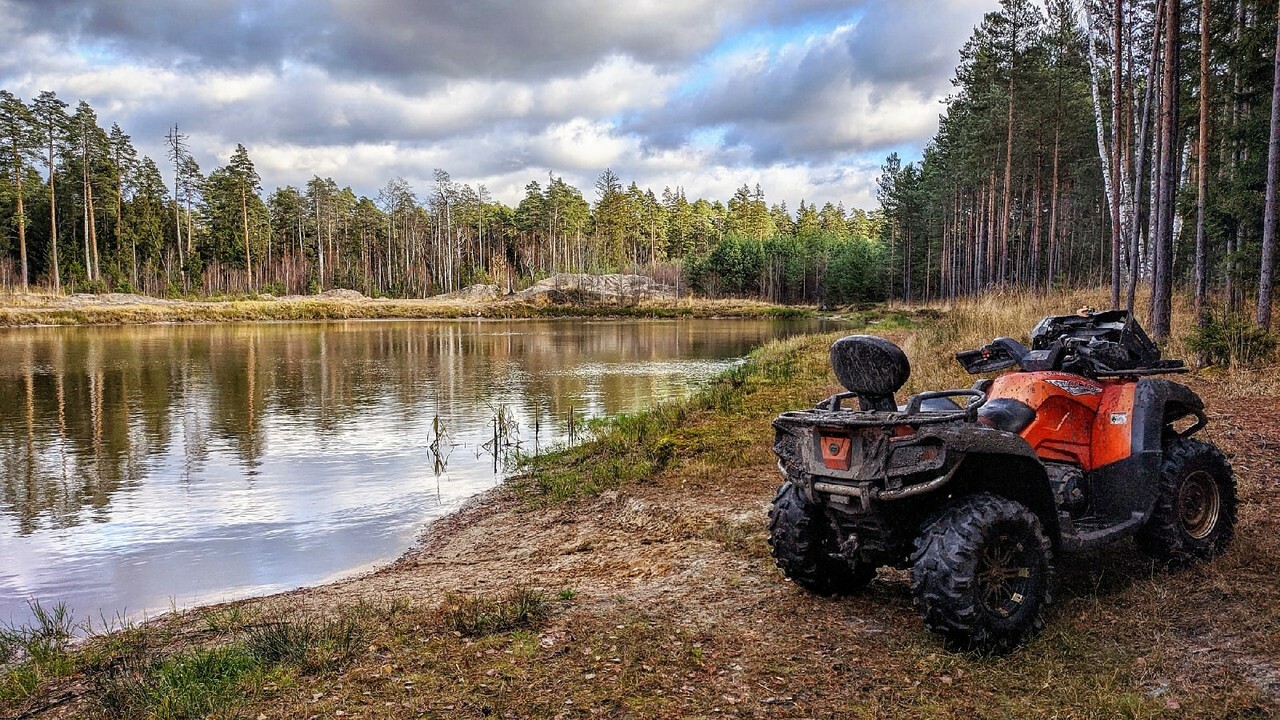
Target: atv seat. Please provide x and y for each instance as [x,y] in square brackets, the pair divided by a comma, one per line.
[871,368]
[1007,414]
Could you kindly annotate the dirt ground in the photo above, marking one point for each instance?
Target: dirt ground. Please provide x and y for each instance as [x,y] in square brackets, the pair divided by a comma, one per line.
[666,604]
[685,556]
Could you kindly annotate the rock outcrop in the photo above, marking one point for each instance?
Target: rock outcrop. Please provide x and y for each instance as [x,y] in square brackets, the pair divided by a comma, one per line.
[571,288]
[471,293]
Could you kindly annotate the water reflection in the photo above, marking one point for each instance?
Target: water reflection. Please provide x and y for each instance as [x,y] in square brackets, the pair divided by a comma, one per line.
[149,465]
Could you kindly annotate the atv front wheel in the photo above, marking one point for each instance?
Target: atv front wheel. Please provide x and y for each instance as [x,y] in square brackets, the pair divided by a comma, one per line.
[1195,512]
[981,573]
[804,547]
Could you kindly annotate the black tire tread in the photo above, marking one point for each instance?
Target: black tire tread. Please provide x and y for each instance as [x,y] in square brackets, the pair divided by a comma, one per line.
[800,550]
[1163,536]
[943,567]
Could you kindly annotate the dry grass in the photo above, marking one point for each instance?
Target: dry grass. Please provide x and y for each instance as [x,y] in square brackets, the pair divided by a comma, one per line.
[676,610]
[27,310]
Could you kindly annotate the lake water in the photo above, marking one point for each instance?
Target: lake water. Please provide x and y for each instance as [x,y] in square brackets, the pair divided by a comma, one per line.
[145,468]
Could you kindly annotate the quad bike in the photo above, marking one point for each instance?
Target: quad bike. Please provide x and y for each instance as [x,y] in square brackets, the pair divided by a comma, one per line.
[978,490]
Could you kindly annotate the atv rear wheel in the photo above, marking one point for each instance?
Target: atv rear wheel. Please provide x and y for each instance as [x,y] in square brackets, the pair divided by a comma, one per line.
[1195,512]
[981,573]
[804,547]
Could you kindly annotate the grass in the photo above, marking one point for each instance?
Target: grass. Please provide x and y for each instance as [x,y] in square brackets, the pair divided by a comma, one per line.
[21,311]
[688,618]
[711,426]
[477,615]
[198,683]
[33,653]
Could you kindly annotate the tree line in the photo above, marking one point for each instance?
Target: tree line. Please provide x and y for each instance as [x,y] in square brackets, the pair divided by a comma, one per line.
[81,210]
[1111,142]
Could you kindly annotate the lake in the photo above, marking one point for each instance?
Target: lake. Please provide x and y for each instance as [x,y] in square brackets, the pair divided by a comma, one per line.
[164,466]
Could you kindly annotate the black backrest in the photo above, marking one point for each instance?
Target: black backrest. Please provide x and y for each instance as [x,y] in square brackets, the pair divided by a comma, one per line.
[871,367]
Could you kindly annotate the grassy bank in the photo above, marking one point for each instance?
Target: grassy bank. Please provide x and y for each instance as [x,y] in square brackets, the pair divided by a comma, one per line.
[629,577]
[20,310]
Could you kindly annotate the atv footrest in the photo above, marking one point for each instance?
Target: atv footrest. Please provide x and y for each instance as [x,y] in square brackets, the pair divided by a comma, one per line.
[1089,534]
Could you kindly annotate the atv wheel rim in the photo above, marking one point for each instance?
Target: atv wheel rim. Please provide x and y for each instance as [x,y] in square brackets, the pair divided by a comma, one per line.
[1199,504]
[1004,575]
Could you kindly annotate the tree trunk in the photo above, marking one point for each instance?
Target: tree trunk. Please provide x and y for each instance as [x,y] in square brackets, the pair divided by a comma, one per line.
[22,221]
[53,221]
[1104,155]
[84,195]
[1116,180]
[93,227]
[1230,287]
[1032,276]
[1139,172]
[1162,283]
[1053,209]
[244,216]
[1266,275]
[1202,178]
[1005,214]
[320,250]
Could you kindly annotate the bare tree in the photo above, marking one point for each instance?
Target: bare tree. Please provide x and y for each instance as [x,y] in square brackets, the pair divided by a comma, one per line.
[1202,175]
[177,143]
[1266,276]
[51,116]
[1162,278]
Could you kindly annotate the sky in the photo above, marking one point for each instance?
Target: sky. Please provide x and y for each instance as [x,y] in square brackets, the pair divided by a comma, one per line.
[804,97]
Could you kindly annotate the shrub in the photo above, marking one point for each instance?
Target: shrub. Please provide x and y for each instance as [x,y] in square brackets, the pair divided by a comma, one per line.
[1232,339]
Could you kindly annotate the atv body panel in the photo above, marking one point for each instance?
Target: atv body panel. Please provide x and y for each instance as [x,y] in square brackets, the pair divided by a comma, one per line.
[1078,449]
[876,473]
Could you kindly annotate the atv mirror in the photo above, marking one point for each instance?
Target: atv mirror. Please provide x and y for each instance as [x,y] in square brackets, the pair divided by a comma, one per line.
[870,367]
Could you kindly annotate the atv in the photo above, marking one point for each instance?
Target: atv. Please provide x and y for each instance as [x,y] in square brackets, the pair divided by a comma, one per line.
[978,490]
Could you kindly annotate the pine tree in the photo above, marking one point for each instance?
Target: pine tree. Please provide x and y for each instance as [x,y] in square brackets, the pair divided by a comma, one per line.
[19,134]
[51,117]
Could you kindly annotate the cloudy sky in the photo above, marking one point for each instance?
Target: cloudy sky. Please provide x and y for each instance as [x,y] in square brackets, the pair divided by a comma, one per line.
[805,97]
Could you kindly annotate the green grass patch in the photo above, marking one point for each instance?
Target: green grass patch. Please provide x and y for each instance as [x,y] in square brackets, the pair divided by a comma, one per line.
[309,644]
[209,669]
[717,424]
[476,615]
[34,653]
[190,684]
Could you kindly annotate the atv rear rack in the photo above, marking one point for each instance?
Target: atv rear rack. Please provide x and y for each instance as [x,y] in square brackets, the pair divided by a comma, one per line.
[913,414]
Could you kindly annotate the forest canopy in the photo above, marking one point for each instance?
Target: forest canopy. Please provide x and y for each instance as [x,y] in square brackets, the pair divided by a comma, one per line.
[82,211]
[1086,143]
[1108,142]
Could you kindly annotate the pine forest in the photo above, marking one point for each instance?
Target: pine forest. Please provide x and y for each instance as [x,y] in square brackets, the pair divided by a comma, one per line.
[1101,143]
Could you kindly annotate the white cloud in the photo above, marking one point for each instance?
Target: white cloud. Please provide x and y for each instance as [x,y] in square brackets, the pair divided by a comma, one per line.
[638,86]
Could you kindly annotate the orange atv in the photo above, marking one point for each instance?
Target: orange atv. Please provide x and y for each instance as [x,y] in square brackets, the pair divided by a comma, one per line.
[976,491]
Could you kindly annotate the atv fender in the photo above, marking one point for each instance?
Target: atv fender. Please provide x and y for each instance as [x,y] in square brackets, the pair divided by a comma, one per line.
[1126,488]
[1004,464]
